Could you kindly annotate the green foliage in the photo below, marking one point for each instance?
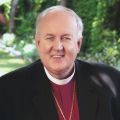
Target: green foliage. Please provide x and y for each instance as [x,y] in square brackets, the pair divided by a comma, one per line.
[48,3]
[8,39]
[25,19]
[25,25]
[9,63]
[103,40]
[87,11]
[102,43]
[6,5]
[105,49]
[29,52]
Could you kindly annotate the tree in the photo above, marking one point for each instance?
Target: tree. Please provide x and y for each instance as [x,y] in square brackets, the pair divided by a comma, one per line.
[3,20]
[2,17]
[67,3]
[12,15]
[113,16]
[63,2]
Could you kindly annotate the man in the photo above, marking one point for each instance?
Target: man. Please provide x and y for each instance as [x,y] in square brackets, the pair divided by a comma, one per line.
[59,87]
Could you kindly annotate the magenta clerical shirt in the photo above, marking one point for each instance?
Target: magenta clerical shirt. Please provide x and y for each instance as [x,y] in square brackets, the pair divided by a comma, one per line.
[64,95]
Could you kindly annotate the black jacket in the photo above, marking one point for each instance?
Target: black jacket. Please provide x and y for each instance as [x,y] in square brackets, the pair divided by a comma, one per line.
[25,94]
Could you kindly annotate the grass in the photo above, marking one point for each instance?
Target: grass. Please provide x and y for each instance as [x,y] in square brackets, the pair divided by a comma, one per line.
[9,63]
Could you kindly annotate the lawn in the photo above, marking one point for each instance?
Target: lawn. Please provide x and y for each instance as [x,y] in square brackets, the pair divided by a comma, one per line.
[9,63]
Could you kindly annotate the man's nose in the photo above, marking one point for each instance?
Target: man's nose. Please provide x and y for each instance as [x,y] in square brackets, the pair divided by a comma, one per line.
[58,45]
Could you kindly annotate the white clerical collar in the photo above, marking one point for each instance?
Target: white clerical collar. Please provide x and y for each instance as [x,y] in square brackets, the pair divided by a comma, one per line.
[59,81]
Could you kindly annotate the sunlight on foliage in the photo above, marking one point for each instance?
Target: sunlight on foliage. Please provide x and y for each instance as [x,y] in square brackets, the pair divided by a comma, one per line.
[8,39]
[4,1]
[101,37]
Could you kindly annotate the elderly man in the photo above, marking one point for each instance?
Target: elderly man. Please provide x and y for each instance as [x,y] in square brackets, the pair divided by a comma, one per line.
[60,87]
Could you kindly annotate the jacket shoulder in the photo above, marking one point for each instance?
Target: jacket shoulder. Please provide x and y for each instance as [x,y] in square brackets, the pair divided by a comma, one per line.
[23,72]
[101,75]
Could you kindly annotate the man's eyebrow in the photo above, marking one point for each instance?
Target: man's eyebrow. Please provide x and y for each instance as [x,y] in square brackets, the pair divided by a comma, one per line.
[66,34]
[48,34]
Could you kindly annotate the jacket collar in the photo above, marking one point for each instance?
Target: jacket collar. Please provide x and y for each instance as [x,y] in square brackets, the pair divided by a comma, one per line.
[43,101]
[87,99]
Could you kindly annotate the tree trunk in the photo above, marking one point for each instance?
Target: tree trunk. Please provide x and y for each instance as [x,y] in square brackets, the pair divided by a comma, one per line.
[116,21]
[67,3]
[63,2]
[12,15]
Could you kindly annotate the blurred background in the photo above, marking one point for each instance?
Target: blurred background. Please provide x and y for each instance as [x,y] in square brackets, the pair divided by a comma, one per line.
[101,20]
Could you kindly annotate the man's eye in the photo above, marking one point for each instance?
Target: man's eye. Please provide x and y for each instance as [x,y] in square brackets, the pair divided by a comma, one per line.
[66,38]
[49,38]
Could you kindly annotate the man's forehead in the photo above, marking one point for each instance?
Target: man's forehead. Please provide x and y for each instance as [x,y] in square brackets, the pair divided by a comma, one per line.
[60,19]
[57,13]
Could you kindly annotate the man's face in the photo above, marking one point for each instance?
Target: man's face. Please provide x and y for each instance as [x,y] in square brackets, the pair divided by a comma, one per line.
[57,43]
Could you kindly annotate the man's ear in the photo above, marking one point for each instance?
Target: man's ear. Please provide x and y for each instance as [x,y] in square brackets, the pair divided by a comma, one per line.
[79,44]
[37,40]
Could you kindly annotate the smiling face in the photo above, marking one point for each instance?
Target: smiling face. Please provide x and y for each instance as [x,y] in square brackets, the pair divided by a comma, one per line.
[57,42]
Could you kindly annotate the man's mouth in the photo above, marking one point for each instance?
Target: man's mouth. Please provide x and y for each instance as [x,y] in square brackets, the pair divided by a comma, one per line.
[57,56]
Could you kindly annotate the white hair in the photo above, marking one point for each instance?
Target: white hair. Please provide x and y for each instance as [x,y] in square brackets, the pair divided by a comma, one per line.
[58,7]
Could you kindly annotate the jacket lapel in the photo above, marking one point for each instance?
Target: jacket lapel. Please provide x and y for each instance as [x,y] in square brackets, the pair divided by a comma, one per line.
[43,102]
[87,98]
